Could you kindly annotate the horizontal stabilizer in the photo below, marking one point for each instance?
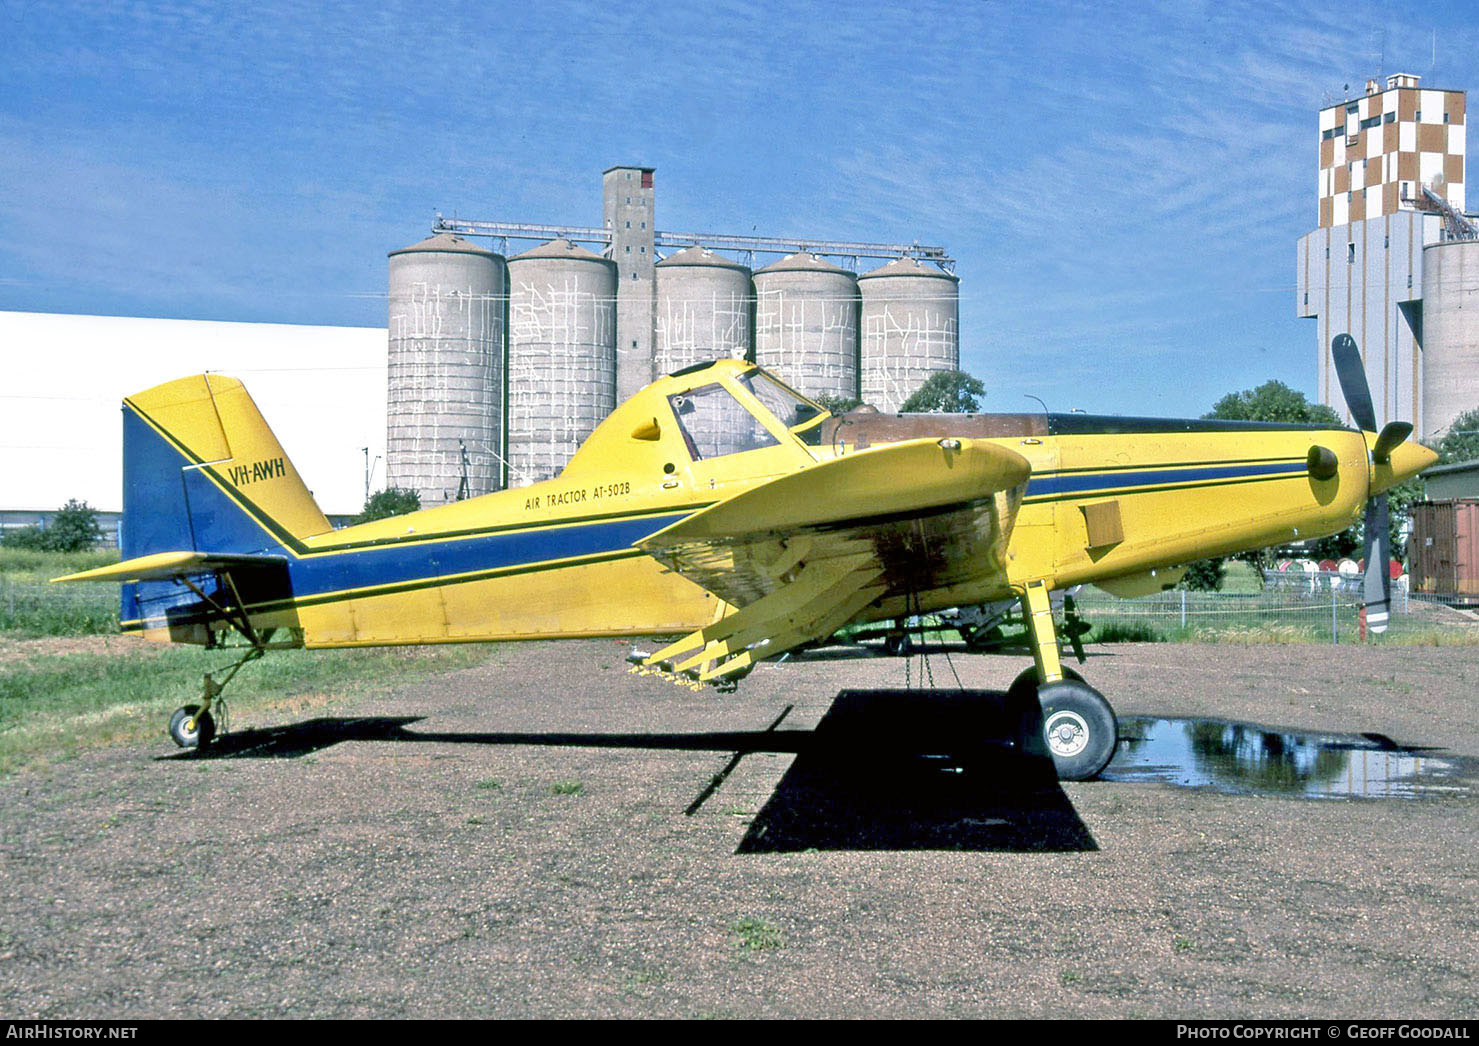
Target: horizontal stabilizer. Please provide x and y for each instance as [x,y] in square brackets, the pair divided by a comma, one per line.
[162,566]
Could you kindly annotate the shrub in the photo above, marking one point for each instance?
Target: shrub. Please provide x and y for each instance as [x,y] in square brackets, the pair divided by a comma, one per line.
[74,528]
[387,503]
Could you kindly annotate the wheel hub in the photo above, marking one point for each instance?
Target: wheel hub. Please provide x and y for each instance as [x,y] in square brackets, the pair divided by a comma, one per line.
[1067,733]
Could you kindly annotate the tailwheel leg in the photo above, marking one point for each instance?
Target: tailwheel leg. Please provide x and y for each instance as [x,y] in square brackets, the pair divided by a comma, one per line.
[1058,715]
[195,726]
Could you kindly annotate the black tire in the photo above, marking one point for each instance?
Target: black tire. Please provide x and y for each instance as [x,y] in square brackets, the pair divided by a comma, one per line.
[1025,686]
[1077,729]
[204,727]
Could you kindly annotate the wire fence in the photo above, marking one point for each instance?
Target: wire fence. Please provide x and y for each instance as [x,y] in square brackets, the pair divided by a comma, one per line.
[38,608]
[1294,605]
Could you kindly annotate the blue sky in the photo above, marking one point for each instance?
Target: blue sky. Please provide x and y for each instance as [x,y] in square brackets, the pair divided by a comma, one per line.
[1122,184]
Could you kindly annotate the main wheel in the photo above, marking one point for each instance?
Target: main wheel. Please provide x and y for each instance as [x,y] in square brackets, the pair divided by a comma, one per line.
[1071,724]
[189,727]
[1025,686]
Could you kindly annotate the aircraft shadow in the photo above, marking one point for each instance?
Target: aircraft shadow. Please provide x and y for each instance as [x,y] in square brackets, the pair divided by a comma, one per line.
[882,770]
[916,770]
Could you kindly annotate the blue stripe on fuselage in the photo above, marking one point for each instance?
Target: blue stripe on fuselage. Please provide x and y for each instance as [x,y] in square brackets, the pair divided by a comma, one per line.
[1115,482]
[398,564]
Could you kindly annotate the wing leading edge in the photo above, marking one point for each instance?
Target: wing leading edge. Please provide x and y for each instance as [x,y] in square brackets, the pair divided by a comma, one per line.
[803,555]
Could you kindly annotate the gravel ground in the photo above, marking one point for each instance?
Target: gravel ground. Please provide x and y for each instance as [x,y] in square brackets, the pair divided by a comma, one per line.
[548,834]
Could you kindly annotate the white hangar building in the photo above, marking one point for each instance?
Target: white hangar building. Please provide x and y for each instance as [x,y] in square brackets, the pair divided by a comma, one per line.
[322,389]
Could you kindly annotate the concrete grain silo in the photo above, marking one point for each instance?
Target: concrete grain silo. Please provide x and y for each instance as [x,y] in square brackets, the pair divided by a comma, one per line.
[703,309]
[561,355]
[1450,333]
[445,368]
[806,325]
[910,329]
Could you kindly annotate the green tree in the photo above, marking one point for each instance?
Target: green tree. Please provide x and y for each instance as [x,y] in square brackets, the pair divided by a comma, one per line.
[1461,441]
[387,503]
[946,392]
[838,404]
[1272,401]
[1205,575]
[74,528]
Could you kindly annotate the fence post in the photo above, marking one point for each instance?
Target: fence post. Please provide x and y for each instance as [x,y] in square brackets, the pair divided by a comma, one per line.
[1183,610]
[1334,619]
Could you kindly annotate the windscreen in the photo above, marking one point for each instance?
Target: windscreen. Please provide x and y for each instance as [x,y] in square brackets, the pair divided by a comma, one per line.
[714,423]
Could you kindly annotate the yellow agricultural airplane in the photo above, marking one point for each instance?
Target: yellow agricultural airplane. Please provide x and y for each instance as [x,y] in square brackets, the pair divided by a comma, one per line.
[720,506]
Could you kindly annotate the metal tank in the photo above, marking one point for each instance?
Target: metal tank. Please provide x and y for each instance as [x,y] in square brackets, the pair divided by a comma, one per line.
[806,325]
[703,309]
[445,369]
[910,329]
[561,355]
[1450,334]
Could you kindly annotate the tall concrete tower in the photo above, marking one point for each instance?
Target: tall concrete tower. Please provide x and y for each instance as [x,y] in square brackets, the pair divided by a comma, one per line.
[1361,270]
[627,207]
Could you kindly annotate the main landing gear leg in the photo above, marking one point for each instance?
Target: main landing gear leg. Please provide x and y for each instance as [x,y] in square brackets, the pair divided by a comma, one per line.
[1059,715]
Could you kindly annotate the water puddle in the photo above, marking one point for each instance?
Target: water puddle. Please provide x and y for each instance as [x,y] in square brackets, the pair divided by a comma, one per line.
[1247,759]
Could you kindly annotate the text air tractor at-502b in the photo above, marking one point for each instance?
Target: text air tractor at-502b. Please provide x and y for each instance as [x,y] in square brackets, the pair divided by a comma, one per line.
[719,507]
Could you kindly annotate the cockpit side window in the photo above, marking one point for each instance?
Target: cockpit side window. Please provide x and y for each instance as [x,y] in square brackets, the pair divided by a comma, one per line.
[714,423]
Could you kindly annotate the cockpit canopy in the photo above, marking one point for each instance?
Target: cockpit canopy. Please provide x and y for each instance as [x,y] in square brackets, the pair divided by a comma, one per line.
[715,423]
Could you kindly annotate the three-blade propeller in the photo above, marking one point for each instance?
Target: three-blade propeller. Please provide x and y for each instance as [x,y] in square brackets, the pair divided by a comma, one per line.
[1377,590]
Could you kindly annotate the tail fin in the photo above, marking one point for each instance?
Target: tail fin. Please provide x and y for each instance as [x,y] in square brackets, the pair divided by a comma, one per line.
[202,472]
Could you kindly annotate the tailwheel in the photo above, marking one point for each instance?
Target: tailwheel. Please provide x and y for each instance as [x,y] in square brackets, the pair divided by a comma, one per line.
[1068,721]
[192,727]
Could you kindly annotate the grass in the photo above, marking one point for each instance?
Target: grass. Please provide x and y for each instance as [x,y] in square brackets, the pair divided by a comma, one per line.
[1125,632]
[755,934]
[30,606]
[567,788]
[43,566]
[53,706]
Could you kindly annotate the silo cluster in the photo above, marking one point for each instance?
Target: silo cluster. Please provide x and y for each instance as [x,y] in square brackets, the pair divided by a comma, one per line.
[561,355]
[806,325]
[703,309]
[910,329]
[1450,333]
[500,369]
[445,367]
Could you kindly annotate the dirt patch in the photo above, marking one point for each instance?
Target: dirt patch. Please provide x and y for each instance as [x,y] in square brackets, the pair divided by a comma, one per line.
[553,836]
[12,650]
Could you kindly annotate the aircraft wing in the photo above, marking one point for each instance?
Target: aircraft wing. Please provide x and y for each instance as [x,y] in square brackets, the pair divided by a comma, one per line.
[802,555]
